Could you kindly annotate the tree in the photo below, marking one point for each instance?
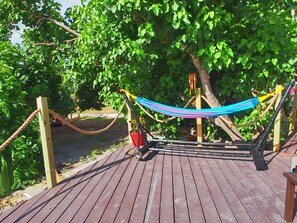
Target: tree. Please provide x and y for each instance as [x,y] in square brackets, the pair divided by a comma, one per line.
[20,161]
[150,48]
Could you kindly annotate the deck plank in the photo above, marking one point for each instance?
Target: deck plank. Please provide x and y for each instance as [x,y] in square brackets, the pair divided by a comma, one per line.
[114,205]
[209,208]
[164,187]
[263,188]
[263,204]
[27,210]
[100,182]
[180,202]
[51,212]
[193,200]
[65,210]
[140,204]
[234,202]
[153,205]
[167,207]
[248,203]
[124,213]
[221,204]
[103,200]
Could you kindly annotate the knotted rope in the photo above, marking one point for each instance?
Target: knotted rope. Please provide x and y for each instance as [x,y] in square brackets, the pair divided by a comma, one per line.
[85,131]
[19,130]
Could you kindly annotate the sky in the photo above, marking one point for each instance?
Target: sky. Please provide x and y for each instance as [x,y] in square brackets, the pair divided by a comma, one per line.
[16,35]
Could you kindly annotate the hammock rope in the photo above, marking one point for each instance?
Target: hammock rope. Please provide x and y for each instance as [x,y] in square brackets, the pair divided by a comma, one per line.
[201,113]
[163,120]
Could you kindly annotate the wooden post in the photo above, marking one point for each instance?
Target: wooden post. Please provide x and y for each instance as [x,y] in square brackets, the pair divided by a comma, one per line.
[78,111]
[198,120]
[277,125]
[293,112]
[129,119]
[46,140]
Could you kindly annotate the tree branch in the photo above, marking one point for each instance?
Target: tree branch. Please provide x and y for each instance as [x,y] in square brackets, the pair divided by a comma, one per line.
[50,44]
[62,25]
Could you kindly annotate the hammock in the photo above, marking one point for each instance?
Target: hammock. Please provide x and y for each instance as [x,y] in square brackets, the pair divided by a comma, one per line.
[201,113]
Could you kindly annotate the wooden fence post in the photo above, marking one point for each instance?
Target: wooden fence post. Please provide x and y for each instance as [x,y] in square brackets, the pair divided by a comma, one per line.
[46,140]
[293,112]
[277,124]
[198,120]
[129,119]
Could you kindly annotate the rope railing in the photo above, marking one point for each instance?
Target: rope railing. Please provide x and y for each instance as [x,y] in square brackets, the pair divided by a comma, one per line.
[33,114]
[65,122]
[19,130]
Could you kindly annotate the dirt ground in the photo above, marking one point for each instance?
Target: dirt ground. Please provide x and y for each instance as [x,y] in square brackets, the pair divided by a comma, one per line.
[73,149]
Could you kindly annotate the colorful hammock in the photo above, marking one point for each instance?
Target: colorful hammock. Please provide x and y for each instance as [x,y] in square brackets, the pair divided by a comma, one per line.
[201,113]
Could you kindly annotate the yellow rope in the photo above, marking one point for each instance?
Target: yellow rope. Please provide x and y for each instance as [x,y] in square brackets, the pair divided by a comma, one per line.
[19,130]
[164,120]
[264,97]
[128,93]
[85,131]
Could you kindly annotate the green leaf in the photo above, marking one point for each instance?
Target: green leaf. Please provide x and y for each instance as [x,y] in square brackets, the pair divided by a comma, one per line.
[260,46]
[156,9]
[274,61]
[217,55]
[175,6]
[210,25]
[211,14]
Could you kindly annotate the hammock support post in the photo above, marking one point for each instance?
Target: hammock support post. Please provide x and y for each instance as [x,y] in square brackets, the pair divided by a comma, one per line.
[141,150]
[258,151]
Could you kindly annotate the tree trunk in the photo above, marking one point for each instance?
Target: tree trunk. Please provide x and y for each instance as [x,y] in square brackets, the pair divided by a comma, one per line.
[231,130]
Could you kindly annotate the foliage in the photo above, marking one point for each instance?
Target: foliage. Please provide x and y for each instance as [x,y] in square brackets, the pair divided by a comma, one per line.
[145,46]
[134,125]
[21,160]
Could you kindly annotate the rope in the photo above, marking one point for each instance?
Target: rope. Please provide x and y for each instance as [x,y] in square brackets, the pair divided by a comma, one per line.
[271,102]
[85,131]
[287,117]
[19,130]
[164,120]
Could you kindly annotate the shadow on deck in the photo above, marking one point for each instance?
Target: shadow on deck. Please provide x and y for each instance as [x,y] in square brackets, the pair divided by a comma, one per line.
[165,188]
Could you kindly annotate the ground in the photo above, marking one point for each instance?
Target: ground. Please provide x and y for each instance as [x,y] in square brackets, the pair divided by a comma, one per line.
[74,150]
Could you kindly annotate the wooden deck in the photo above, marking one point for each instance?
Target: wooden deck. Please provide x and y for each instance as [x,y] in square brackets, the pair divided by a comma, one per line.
[165,188]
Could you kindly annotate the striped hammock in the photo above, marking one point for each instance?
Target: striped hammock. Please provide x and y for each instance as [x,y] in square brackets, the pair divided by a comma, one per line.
[198,113]
[201,113]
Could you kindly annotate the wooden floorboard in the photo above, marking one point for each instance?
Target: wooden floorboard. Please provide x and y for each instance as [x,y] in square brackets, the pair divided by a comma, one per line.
[140,204]
[164,187]
[128,201]
[209,209]
[100,182]
[234,202]
[193,201]
[167,207]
